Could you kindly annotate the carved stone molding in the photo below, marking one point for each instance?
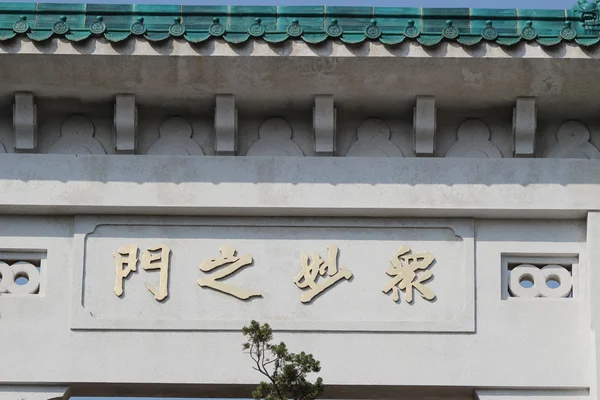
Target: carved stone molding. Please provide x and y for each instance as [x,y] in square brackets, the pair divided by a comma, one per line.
[374,141]
[175,139]
[573,142]
[473,141]
[77,137]
[275,139]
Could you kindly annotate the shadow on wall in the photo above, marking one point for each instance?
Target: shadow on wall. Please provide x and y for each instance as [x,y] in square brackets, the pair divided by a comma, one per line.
[297,170]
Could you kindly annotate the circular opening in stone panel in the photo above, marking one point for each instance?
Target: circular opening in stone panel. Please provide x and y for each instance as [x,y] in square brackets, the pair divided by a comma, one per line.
[526,281]
[553,281]
[21,279]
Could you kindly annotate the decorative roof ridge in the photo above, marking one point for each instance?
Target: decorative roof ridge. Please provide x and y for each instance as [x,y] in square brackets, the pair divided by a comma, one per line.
[312,24]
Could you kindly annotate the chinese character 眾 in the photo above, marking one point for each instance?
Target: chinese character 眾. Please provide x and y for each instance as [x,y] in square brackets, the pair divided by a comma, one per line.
[404,274]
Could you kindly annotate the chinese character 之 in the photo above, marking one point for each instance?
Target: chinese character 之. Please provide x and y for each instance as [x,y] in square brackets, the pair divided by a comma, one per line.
[228,256]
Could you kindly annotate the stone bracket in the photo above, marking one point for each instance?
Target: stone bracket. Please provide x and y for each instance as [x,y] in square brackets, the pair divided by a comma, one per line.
[125,124]
[225,125]
[524,126]
[424,120]
[25,122]
[324,125]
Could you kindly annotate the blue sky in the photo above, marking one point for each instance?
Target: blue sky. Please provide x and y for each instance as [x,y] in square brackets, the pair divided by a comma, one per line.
[540,4]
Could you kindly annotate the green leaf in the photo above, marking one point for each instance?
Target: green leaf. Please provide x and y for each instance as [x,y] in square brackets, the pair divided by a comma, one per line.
[287,372]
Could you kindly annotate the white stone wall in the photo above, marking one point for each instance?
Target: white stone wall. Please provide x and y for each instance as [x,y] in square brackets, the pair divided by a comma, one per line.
[252,175]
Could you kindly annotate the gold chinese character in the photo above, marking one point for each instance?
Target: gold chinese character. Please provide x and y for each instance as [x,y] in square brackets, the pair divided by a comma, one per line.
[126,262]
[228,256]
[311,270]
[403,271]
[151,260]
[125,256]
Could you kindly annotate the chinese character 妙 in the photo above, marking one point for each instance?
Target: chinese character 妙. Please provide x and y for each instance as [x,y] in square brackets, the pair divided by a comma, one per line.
[312,270]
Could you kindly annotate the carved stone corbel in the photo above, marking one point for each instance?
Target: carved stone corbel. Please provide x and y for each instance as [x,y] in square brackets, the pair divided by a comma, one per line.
[424,120]
[324,125]
[25,122]
[125,124]
[225,125]
[524,126]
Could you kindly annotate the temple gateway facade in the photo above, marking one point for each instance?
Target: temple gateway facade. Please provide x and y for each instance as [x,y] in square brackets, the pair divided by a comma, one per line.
[409,194]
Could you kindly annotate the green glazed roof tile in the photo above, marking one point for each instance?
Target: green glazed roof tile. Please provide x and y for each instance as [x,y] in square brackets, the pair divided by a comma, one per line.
[397,12]
[350,12]
[18,7]
[107,9]
[201,17]
[541,14]
[310,24]
[391,26]
[242,17]
[447,13]
[57,8]
[157,10]
[204,10]
[300,11]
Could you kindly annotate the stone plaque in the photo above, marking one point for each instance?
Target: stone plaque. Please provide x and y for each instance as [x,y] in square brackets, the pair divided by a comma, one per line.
[171,273]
